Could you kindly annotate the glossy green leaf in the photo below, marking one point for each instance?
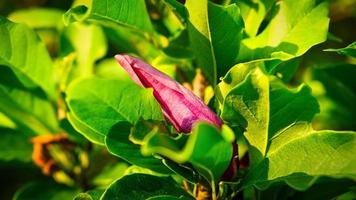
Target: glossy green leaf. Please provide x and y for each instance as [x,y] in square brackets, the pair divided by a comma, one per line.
[350,50]
[323,153]
[285,36]
[129,13]
[144,186]
[207,149]
[99,104]
[22,51]
[208,35]
[14,146]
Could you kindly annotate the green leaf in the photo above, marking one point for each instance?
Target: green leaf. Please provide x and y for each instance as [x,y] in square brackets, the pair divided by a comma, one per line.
[110,68]
[94,194]
[86,50]
[28,108]
[38,17]
[165,197]
[129,13]
[325,188]
[206,148]
[98,104]
[6,122]
[335,88]
[83,128]
[118,144]
[286,70]
[350,50]
[339,83]
[261,105]
[288,106]
[24,53]
[215,44]
[178,46]
[178,8]
[110,173]
[247,105]
[45,190]
[318,153]
[83,196]
[286,36]
[184,170]
[14,146]
[253,13]
[144,186]
[136,44]
[234,77]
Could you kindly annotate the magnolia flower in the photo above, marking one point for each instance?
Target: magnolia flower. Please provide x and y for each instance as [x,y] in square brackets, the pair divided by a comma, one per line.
[179,105]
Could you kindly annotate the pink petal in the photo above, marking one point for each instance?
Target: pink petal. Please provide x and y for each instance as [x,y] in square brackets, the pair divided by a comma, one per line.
[179,105]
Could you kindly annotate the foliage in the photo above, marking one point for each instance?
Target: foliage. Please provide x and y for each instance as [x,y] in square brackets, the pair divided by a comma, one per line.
[280,74]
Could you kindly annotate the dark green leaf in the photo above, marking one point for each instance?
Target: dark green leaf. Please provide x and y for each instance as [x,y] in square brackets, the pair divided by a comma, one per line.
[144,186]
[208,35]
[14,146]
[288,106]
[45,191]
[207,149]
[94,194]
[118,143]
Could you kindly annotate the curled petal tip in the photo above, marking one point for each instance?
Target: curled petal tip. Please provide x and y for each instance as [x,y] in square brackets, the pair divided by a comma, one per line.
[126,62]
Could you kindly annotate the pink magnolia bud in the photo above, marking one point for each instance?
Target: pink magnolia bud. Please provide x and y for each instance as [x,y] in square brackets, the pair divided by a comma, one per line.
[179,105]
